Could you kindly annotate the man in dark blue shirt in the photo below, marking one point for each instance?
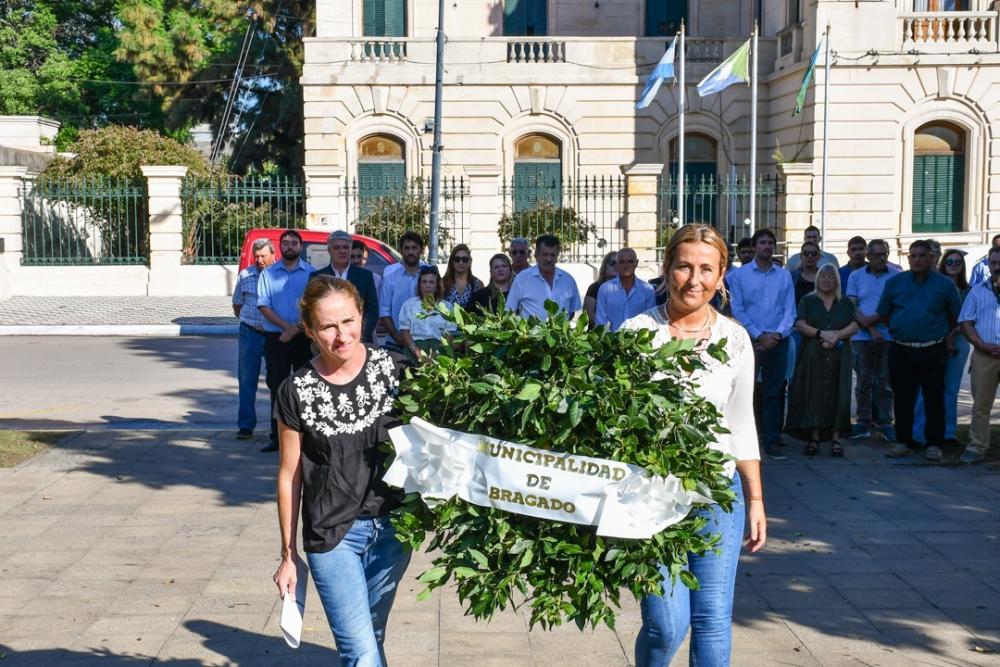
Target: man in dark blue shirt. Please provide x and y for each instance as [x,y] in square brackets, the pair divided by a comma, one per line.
[920,306]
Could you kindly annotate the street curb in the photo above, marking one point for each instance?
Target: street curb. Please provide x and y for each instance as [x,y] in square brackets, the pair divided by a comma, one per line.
[165,330]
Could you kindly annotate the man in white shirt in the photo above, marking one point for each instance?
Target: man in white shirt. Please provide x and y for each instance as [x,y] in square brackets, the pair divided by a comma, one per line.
[542,282]
[624,296]
[811,235]
[980,321]
[398,286]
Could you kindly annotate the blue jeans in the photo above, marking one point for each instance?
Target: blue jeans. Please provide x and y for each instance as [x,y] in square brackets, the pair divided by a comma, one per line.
[953,372]
[708,611]
[356,582]
[251,353]
[771,368]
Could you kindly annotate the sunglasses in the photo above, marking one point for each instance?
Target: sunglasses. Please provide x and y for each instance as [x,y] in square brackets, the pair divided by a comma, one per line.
[612,262]
[810,253]
[462,260]
[953,262]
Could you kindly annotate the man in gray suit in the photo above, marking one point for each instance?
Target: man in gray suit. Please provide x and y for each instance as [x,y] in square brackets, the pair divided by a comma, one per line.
[339,245]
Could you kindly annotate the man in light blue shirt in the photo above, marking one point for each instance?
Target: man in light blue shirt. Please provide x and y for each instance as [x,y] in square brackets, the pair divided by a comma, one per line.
[870,345]
[763,299]
[286,347]
[981,271]
[543,282]
[624,296]
[399,285]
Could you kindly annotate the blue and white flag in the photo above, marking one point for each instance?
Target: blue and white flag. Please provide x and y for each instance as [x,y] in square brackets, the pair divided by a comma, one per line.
[664,70]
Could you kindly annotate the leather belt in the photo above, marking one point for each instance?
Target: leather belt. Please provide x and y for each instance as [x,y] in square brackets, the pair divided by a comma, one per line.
[919,345]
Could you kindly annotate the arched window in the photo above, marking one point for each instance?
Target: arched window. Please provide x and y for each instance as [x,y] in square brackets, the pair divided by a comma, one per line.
[525,17]
[938,178]
[700,176]
[381,167]
[537,171]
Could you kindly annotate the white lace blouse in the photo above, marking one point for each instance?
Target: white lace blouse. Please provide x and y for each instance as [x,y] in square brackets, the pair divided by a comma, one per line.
[728,386]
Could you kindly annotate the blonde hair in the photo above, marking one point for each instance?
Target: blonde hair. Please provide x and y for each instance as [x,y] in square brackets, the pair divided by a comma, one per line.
[691,233]
[829,267]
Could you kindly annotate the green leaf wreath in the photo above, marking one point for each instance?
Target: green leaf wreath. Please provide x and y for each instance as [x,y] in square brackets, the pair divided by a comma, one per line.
[555,385]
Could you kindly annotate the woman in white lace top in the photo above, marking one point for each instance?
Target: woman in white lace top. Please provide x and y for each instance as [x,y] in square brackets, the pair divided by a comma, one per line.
[694,269]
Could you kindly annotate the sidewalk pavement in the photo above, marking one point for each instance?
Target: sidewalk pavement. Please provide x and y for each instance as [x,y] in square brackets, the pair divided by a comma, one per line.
[117,316]
[159,546]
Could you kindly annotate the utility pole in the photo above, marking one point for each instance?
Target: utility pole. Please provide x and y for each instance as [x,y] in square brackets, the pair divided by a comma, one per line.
[432,254]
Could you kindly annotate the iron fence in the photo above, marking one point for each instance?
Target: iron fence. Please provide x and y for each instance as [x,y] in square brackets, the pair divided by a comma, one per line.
[84,221]
[219,210]
[385,208]
[587,214]
[722,202]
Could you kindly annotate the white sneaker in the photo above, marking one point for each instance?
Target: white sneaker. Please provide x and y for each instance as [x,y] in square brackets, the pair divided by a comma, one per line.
[932,453]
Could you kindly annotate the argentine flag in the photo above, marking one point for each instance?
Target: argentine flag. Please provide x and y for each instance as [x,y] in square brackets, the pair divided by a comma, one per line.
[733,69]
[664,70]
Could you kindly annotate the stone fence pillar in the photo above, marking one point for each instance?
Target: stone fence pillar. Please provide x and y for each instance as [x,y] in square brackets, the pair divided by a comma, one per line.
[11,240]
[325,199]
[166,243]
[485,209]
[795,204]
[641,205]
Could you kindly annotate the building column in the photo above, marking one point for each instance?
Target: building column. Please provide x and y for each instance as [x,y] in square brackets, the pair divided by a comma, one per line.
[325,199]
[485,209]
[166,225]
[641,185]
[11,239]
[795,204]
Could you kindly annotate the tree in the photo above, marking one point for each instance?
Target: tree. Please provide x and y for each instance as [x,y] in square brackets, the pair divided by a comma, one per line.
[169,41]
[56,59]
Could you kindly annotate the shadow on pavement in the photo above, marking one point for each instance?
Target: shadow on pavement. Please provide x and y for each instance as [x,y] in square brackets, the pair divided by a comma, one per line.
[206,641]
[203,352]
[864,552]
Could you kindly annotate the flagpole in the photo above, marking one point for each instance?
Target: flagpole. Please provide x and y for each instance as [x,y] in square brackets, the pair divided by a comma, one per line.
[680,139]
[753,135]
[826,135]
[435,221]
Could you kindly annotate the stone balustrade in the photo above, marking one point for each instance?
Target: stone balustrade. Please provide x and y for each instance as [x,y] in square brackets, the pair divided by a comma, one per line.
[947,32]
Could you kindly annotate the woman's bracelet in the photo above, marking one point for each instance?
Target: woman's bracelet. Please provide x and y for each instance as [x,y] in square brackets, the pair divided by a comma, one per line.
[752,498]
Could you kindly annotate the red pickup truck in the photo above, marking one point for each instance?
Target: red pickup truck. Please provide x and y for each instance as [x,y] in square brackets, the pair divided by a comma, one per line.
[314,250]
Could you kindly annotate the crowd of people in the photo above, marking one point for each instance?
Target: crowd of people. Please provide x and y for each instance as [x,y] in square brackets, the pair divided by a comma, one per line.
[901,338]
[900,341]
[810,324]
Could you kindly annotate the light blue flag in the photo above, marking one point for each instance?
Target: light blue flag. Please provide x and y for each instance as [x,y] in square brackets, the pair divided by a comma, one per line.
[664,70]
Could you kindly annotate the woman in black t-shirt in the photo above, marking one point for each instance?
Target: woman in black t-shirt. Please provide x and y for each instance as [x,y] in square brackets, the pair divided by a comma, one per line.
[332,414]
[487,300]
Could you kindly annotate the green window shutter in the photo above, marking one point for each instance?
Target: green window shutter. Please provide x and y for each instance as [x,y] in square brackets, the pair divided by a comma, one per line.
[515,18]
[700,192]
[538,23]
[381,179]
[395,18]
[374,18]
[536,182]
[938,193]
[663,17]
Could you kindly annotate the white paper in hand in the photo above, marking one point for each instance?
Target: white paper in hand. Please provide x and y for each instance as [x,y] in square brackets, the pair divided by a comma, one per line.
[293,607]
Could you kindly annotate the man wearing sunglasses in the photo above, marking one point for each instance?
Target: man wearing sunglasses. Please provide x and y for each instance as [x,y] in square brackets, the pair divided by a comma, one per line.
[981,271]
[520,255]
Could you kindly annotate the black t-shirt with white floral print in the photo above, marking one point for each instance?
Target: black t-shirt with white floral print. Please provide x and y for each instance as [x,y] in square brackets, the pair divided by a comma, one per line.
[341,427]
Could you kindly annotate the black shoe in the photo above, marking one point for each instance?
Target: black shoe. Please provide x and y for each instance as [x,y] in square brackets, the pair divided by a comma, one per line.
[244,434]
[271,447]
